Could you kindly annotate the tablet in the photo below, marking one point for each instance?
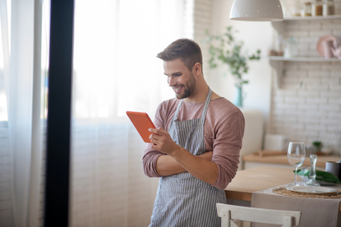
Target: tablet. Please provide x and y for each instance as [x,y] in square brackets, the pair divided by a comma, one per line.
[142,123]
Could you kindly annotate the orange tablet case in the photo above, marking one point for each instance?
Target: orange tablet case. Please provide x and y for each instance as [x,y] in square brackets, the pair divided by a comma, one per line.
[142,123]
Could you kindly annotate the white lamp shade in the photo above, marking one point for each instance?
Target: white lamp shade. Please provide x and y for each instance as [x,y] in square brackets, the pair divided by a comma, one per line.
[256,10]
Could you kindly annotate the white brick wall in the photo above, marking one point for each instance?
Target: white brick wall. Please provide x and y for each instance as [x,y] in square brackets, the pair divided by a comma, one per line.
[307,107]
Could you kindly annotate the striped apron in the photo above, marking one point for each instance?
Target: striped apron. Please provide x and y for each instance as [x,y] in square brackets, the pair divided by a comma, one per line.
[183,200]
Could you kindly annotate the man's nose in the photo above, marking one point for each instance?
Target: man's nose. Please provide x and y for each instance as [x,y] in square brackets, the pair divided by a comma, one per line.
[171,81]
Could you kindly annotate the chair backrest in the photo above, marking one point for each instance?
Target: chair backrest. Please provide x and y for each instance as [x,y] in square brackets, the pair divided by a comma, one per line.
[252,214]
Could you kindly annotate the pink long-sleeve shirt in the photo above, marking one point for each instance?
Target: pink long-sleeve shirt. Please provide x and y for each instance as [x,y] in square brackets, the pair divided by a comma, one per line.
[223,134]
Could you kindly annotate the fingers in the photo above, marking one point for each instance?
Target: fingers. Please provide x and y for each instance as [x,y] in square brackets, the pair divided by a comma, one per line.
[154,136]
[159,131]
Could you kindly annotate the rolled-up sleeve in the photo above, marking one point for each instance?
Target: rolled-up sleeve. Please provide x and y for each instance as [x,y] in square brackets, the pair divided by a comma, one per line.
[226,148]
[149,162]
[150,156]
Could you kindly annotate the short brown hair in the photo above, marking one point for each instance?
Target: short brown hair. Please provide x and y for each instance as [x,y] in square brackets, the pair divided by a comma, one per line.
[186,50]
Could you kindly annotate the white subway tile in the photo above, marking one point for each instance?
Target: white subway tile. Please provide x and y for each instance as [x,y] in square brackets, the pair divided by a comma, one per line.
[336,73]
[336,67]
[287,106]
[315,101]
[317,87]
[309,94]
[286,119]
[309,66]
[329,107]
[309,53]
[329,138]
[303,46]
[308,39]
[335,87]
[305,134]
[311,127]
[319,73]
[313,46]
[313,25]
[334,115]
[333,128]
[307,107]
[284,92]
[319,33]
[333,25]
[313,80]
[315,114]
[330,121]
[294,100]
[297,33]
[337,32]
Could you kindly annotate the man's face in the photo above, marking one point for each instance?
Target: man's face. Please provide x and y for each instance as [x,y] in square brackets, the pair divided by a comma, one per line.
[179,78]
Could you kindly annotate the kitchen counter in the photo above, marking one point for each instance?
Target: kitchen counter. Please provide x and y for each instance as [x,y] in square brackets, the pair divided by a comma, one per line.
[257,179]
[251,161]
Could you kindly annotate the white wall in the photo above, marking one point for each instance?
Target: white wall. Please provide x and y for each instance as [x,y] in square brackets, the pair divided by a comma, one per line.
[307,105]
[256,35]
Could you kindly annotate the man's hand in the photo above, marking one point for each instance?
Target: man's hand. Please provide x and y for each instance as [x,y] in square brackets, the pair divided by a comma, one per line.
[162,141]
[200,167]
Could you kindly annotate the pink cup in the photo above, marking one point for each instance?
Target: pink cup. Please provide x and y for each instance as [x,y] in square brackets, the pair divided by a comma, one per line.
[327,45]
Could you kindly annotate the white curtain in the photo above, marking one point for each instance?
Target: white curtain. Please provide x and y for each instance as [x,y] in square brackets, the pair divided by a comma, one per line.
[21,112]
[115,70]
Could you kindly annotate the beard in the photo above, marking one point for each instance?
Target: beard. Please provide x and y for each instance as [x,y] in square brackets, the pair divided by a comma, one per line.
[188,88]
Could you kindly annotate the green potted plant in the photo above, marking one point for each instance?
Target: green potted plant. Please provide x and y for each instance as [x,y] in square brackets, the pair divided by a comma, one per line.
[317,146]
[228,51]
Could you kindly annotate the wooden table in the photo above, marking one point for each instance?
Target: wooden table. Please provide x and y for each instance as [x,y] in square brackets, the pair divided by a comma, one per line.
[283,160]
[257,179]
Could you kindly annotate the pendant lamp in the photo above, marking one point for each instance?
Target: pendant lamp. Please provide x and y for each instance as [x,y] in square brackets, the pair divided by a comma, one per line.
[256,10]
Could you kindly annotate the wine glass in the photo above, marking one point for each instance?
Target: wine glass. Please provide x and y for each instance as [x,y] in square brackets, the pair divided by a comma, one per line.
[296,156]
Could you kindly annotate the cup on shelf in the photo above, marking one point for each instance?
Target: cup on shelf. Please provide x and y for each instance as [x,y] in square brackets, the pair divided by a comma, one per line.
[327,48]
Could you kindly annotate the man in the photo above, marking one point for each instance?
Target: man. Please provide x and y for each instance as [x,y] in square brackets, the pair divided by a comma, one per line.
[195,148]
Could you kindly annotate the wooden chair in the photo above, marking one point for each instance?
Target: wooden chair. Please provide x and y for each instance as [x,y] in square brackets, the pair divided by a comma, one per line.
[251,214]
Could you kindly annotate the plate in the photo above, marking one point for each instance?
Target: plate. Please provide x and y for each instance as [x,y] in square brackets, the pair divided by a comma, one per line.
[319,45]
[311,189]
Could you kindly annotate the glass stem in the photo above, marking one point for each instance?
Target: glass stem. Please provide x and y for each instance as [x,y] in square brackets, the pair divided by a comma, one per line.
[295,176]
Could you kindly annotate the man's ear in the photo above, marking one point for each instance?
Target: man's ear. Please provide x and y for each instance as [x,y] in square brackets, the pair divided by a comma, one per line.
[197,69]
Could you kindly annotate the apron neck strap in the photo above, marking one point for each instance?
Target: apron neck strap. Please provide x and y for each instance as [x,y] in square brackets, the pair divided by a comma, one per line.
[203,115]
[207,102]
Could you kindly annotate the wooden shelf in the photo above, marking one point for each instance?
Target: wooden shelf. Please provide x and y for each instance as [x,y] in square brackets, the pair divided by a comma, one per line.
[306,59]
[314,18]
